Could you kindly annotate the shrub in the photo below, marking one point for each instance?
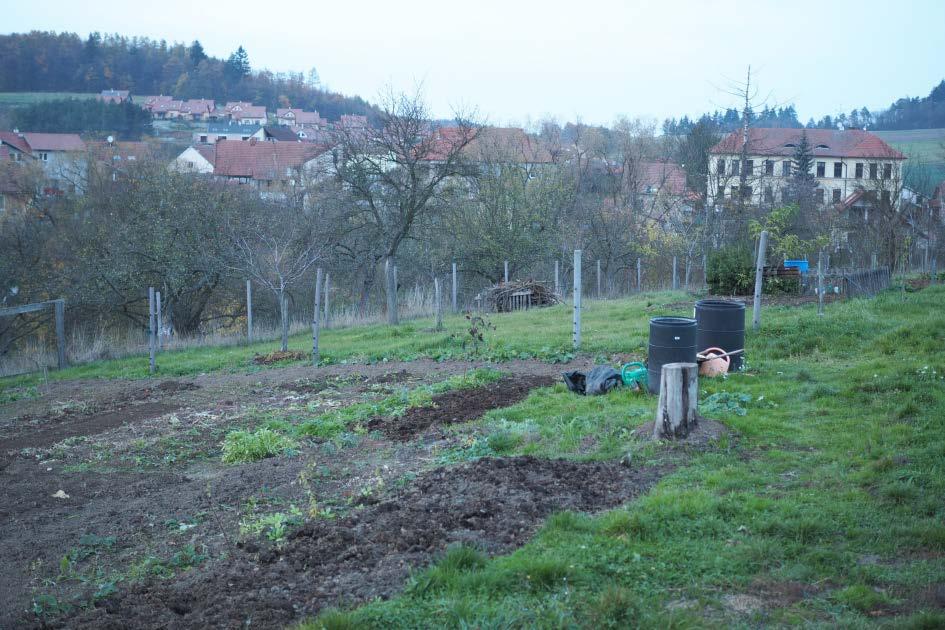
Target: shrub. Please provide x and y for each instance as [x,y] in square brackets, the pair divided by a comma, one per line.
[243,446]
[730,270]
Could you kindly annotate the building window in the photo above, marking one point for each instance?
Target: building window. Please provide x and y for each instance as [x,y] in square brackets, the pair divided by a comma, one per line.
[769,194]
[749,167]
[887,171]
[203,139]
[44,156]
[859,170]
[769,167]
[734,167]
[786,168]
[836,195]
[886,198]
[720,169]
[819,193]
[838,169]
[873,170]
[746,192]
[821,169]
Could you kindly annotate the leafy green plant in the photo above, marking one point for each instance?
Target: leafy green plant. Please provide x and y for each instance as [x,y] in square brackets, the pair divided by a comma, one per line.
[726,402]
[244,446]
[274,526]
[730,270]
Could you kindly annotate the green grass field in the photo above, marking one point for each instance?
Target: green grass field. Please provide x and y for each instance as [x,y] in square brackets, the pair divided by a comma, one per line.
[825,509]
[831,511]
[17,99]
[926,146]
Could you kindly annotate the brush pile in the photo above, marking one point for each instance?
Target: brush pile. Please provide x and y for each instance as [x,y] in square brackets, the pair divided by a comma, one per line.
[519,295]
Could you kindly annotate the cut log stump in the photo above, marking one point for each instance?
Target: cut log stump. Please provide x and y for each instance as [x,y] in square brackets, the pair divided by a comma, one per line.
[678,410]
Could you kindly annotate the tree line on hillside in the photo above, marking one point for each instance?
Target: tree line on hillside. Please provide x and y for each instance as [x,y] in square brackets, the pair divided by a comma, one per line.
[906,113]
[125,121]
[42,61]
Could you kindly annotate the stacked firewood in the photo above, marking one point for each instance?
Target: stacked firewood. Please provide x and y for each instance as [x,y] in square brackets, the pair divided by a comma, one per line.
[518,295]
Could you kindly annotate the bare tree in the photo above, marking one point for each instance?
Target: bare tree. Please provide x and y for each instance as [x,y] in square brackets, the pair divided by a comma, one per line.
[274,245]
[397,174]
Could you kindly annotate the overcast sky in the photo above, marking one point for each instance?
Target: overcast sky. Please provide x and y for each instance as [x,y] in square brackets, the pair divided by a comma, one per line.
[519,61]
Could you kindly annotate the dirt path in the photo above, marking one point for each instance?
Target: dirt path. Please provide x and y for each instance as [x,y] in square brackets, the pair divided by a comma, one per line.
[493,504]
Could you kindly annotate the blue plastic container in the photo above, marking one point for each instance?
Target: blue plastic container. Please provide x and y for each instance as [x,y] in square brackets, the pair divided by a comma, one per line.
[801,265]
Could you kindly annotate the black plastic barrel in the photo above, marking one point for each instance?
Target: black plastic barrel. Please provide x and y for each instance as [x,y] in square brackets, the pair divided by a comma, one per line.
[672,340]
[721,324]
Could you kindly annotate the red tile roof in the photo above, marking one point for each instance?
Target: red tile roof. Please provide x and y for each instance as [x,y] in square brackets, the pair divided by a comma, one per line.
[54,141]
[824,142]
[112,152]
[262,160]
[241,109]
[299,117]
[662,177]
[15,140]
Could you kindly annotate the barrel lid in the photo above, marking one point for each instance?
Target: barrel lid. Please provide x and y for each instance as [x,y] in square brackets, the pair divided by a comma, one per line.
[673,321]
[720,304]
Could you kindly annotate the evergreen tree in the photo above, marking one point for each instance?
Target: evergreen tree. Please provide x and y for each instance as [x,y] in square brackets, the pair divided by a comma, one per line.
[803,183]
[237,65]
[197,53]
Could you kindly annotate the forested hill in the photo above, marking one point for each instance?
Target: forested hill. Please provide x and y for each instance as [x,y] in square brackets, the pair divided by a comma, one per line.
[42,61]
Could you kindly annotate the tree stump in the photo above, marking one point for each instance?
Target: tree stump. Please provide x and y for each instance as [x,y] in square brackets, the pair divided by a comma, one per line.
[678,410]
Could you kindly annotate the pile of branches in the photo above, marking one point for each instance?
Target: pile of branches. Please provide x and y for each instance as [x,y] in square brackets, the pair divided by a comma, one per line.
[503,297]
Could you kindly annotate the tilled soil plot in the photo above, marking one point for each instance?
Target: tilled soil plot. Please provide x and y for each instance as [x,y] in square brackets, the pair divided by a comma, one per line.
[460,405]
[495,504]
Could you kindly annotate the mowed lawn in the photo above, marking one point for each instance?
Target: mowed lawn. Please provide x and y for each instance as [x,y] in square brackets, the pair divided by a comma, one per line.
[825,507]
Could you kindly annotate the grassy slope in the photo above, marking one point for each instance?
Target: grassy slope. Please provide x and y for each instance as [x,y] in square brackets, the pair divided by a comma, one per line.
[16,99]
[831,512]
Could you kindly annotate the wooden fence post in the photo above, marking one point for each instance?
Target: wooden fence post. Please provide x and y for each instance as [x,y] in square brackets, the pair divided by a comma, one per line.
[284,303]
[160,320]
[438,307]
[316,323]
[688,269]
[391,273]
[677,412]
[60,308]
[675,275]
[325,308]
[249,311]
[506,272]
[577,299]
[598,279]
[639,275]
[820,282]
[151,325]
[557,284]
[454,288]
[705,271]
[759,279]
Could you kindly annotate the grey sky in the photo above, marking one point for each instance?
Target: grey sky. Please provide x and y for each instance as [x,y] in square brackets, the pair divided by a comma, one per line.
[591,59]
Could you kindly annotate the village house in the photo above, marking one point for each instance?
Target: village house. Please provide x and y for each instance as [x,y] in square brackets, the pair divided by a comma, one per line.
[225,130]
[274,169]
[289,117]
[61,157]
[115,96]
[850,167]
[244,112]
[114,158]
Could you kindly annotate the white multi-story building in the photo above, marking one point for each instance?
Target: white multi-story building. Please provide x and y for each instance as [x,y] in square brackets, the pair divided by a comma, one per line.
[846,164]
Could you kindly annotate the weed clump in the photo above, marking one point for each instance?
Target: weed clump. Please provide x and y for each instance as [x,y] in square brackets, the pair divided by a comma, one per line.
[245,446]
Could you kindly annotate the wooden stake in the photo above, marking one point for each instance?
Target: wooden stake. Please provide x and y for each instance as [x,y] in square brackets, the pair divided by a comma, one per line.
[675,275]
[454,288]
[327,286]
[60,309]
[437,304]
[557,285]
[249,311]
[577,299]
[820,283]
[316,316]
[598,278]
[759,279]
[151,325]
[506,272]
[639,275]
[677,412]
[160,321]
